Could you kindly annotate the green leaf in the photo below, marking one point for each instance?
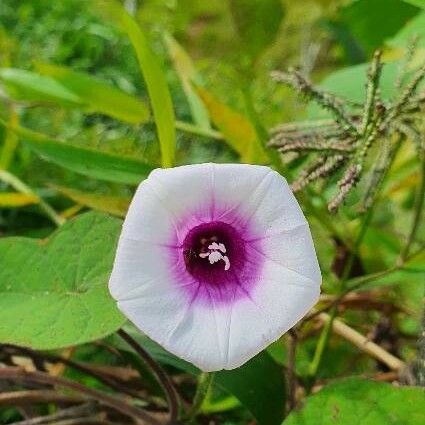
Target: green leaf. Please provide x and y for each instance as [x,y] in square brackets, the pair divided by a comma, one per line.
[53,293]
[373,21]
[415,28]
[89,162]
[357,401]
[258,384]
[412,271]
[187,73]
[418,3]
[154,77]
[237,130]
[350,83]
[97,95]
[257,22]
[26,85]
[110,204]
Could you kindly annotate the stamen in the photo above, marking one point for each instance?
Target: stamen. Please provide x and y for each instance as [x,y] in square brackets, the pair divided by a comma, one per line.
[214,255]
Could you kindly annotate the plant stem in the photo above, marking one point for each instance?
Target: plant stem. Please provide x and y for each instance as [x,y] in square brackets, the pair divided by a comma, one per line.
[198,131]
[363,343]
[11,140]
[291,375]
[419,204]
[324,336]
[163,379]
[20,186]
[205,380]
[17,373]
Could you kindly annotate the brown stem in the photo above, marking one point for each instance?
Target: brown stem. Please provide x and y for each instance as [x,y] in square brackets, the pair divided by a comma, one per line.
[18,398]
[75,365]
[70,412]
[163,379]
[136,413]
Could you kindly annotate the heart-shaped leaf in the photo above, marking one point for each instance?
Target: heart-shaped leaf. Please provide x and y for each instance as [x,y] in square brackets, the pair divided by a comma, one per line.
[358,401]
[53,293]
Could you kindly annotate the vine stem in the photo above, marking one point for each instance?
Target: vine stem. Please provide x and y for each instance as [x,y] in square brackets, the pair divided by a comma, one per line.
[325,335]
[205,380]
[419,204]
[17,373]
[163,379]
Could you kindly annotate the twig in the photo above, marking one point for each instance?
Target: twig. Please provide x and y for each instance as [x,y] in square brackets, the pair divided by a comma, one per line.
[70,412]
[163,379]
[17,398]
[43,378]
[360,341]
[75,365]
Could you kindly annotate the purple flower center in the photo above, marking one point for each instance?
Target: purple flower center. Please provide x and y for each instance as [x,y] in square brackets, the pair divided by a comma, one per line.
[211,250]
[222,263]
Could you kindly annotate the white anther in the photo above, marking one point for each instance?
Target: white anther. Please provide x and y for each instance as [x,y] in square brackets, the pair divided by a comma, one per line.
[226,262]
[214,255]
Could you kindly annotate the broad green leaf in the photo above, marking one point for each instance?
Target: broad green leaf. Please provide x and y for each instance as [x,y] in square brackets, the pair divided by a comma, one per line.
[110,204]
[154,77]
[237,131]
[358,401]
[418,3]
[53,292]
[257,22]
[89,162]
[374,21]
[187,73]
[26,85]
[415,28]
[13,200]
[258,384]
[97,95]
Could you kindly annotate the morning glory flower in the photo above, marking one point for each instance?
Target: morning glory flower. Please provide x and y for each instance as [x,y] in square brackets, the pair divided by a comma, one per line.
[215,262]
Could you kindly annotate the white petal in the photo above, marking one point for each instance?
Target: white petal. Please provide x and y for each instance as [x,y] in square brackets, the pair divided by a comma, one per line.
[260,196]
[294,250]
[217,335]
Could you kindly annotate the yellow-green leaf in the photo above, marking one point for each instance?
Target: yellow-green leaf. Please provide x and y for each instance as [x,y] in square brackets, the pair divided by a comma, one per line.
[13,200]
[237,130]
[116,205]
[187,74]
[154,77]
[89,162]
[27,85]
[97,95]
[10,141]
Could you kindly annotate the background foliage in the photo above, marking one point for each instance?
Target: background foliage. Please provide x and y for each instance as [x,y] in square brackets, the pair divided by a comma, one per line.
[94,95]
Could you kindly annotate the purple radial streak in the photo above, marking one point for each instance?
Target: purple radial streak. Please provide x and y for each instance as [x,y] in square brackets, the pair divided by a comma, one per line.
[210,284]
